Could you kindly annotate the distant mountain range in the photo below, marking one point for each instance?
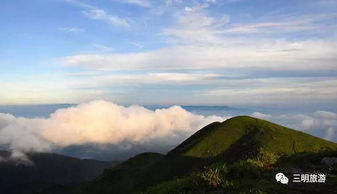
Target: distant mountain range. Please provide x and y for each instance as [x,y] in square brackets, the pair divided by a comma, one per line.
[239,155]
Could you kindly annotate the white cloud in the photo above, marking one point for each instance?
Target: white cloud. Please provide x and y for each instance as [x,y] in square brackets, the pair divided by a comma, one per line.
[22,134]
[71,29]
[196,8]
[99,122]
[180,77]
[142,3]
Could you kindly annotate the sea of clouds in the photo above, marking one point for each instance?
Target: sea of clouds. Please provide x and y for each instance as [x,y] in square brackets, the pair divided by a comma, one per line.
[100,122]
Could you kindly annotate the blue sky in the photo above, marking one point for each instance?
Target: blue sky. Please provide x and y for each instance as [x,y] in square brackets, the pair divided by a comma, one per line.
[234,52]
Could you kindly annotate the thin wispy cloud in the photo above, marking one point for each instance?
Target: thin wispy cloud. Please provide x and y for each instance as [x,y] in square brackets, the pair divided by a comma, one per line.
[71,29]
[96,13]
[142,3]
[308,55]
[136,44]
[159,78]
[103,48]
[100,14]
[307,23]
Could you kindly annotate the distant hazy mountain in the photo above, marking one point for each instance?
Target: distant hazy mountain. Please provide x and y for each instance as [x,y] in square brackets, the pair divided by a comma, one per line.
[46,172]
[113,152]
[239,155]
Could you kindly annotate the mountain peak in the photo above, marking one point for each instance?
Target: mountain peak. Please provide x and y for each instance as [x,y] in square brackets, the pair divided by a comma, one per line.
[245,135]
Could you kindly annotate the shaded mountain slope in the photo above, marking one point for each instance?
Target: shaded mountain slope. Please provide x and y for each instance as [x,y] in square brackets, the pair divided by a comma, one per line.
[126,177]
[46,170]
[240,145]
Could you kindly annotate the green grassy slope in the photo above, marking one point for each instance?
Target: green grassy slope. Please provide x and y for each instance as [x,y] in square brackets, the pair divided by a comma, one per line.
[244,134]
[233,156]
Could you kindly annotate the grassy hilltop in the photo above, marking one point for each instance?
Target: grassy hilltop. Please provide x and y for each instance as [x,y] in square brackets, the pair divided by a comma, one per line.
[239,155]
[243,137]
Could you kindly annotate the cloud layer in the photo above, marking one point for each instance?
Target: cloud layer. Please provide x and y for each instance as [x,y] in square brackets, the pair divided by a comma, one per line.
[99,122]
[319,123]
